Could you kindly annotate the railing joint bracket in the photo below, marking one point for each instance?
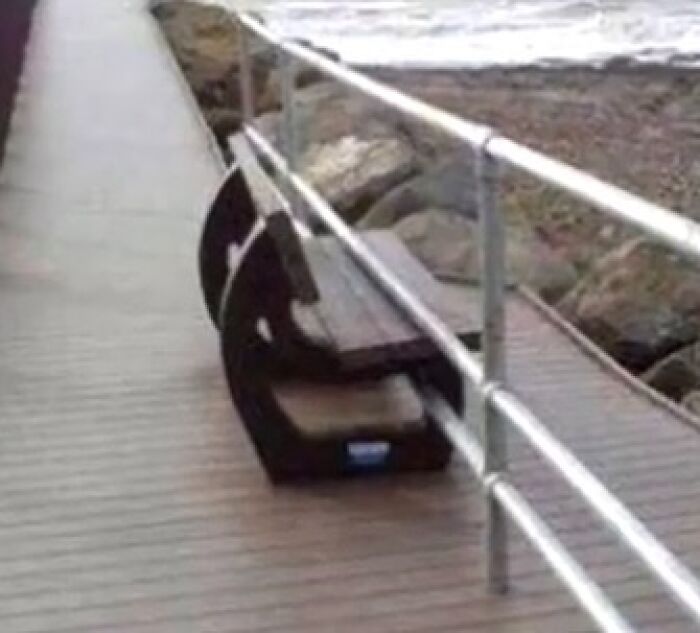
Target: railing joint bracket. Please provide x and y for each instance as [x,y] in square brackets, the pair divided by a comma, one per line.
[487,388]
[490,480]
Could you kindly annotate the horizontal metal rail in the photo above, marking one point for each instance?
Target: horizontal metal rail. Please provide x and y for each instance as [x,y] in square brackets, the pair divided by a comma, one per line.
[675,231]
[588,594]
[473,134]
[669,228]
[680,233]
[680,582]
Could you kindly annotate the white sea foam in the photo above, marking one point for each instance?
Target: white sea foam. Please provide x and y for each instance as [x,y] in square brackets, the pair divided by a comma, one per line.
[488,32]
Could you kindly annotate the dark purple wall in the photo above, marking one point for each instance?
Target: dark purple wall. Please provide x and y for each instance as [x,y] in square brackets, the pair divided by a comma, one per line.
[15,17]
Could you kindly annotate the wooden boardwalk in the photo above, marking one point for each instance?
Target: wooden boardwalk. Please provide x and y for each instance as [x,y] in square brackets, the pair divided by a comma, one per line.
[130,499]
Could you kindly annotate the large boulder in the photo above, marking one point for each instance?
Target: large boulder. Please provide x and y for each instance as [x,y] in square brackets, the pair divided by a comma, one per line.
[352,173]
[640,303]
[444,242]
[448,245]
[326,112]
[204,40]
[447,185]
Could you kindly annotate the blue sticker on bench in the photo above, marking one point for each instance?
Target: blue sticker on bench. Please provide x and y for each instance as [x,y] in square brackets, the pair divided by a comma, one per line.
[368,454]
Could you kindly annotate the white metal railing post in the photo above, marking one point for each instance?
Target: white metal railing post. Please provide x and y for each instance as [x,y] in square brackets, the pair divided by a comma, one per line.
[245,75]
[493,332]
[288,69]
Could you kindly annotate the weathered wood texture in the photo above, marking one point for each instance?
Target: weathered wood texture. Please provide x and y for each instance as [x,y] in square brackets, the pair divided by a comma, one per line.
[359,321]
[130,500]
[324,409]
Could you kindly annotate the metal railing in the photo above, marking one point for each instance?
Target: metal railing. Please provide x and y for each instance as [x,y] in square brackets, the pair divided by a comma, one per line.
[487,455]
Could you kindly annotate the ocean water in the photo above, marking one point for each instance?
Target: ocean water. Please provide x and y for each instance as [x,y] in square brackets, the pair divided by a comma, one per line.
[480,33]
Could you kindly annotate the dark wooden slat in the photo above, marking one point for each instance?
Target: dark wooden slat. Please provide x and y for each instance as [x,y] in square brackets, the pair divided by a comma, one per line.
[457,310]
[363,325]
[390,404]
[340,314]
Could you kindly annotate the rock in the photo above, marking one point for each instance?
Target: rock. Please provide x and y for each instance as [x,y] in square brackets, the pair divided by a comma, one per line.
[444,242]
[567,225]
[448,185]
[326,112]
[204,40]
[640,303]
[676,375]
[352,173]
[535,264]
[447,244]
[692,402]
[203,37]
[205,43]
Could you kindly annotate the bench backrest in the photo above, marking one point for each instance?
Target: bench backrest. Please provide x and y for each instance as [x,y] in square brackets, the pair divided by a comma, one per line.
[278,222]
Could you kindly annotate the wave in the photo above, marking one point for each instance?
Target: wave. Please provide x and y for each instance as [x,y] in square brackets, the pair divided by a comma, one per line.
[495,32]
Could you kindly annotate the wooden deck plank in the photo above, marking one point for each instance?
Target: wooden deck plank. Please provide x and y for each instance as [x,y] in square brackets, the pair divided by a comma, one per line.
[130,498]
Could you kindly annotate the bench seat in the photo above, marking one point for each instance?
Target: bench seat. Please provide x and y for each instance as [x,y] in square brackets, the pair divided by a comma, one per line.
[356,319]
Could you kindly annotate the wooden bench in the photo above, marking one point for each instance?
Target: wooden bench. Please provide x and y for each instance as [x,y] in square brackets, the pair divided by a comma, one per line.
[320,363]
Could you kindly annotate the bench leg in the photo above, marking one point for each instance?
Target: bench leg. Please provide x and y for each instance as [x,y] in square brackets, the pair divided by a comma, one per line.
[253,362]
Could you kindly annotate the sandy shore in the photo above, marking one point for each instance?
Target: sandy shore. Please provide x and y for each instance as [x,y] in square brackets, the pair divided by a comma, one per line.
[636,127]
